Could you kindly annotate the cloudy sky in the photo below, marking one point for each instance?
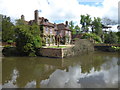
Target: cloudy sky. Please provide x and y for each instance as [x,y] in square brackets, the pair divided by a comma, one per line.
[60,10]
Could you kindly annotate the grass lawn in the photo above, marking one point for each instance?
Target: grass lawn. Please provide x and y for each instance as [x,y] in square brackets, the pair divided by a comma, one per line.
[56,47]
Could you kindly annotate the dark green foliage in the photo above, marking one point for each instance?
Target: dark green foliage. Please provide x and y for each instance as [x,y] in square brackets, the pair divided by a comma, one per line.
[118,34]
[41,28]
[111,38]
[7,29]
[28,39]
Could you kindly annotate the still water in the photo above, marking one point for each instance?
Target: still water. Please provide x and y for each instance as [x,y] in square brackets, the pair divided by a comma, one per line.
[95,70]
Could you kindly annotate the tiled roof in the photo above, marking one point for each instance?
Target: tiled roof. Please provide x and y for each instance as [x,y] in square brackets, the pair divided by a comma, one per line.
[62,26]
[47,24]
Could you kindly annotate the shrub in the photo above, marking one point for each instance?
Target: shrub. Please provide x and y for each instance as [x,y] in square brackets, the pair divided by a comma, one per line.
[93,36]
[111,38]
[28,39]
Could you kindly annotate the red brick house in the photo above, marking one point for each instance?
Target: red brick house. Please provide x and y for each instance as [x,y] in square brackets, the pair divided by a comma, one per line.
[51,32]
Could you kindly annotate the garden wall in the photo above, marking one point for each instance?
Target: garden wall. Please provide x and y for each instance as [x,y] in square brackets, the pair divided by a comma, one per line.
[81,46]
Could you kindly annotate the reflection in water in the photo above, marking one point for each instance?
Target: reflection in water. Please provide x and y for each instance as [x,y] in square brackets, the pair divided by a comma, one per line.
[31,84]
[75,79]
[94,70]
[12,83]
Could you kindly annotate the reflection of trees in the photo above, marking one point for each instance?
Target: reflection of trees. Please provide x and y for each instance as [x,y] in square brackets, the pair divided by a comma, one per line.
[29,69]
[89,61]
[39,68]
[8,65]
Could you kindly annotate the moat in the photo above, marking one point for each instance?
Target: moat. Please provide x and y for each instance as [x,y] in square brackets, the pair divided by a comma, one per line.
[94,70]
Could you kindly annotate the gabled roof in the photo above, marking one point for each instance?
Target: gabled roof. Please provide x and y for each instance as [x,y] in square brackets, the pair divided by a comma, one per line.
[47,24]
[62,26]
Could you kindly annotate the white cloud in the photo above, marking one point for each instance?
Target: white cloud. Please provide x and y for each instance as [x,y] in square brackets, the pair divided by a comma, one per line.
[56,10]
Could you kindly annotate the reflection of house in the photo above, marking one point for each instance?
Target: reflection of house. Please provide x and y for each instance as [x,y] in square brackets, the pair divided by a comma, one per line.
[51,32]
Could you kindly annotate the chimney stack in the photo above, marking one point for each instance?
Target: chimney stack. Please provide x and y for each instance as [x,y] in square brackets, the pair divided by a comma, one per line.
[66,23]
[22,17]
[36,16]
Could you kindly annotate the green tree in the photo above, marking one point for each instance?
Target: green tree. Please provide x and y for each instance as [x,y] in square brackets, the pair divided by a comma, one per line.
[77,29]
[85,21]
[72,27]
[7,29]
[118,34]
[28,39]
[97,26]
[111,38]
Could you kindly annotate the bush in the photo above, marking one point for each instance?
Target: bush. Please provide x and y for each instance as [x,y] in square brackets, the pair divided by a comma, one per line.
[93,36]
[111,38]
[116,48]
[28,39]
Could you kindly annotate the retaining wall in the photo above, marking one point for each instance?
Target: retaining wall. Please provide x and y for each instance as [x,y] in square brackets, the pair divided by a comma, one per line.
[54,52]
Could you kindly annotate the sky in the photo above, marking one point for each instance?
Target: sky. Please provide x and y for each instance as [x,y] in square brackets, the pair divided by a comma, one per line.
[60,10]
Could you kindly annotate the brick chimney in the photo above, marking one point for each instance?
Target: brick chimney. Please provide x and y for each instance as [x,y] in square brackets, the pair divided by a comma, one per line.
[36,15]
[22,17]
[66,23]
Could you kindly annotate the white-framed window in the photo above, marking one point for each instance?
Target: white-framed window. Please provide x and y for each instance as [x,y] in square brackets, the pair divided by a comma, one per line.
[50,31]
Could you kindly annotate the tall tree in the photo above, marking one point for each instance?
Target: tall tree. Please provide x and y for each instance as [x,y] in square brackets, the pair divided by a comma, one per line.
[85,21]
[28,38]
[77,29]
[7,29]
[72,27]
[97,26]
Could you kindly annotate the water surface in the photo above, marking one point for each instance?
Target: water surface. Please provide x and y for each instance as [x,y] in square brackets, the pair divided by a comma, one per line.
[95,70]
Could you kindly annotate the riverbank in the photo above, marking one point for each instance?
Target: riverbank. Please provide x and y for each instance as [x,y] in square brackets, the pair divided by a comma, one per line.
[80,47]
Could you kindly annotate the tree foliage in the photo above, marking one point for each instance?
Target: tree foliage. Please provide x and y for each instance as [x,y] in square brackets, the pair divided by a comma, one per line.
[111,38]
[7,29]
[92,36]
[77,29]
[72,27]
[85,21]
[97,26]
[118,34]
[28,39]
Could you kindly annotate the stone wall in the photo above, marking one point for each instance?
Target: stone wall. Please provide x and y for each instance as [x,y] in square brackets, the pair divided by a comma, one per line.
[80,47]
[51,52]
[55,52]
